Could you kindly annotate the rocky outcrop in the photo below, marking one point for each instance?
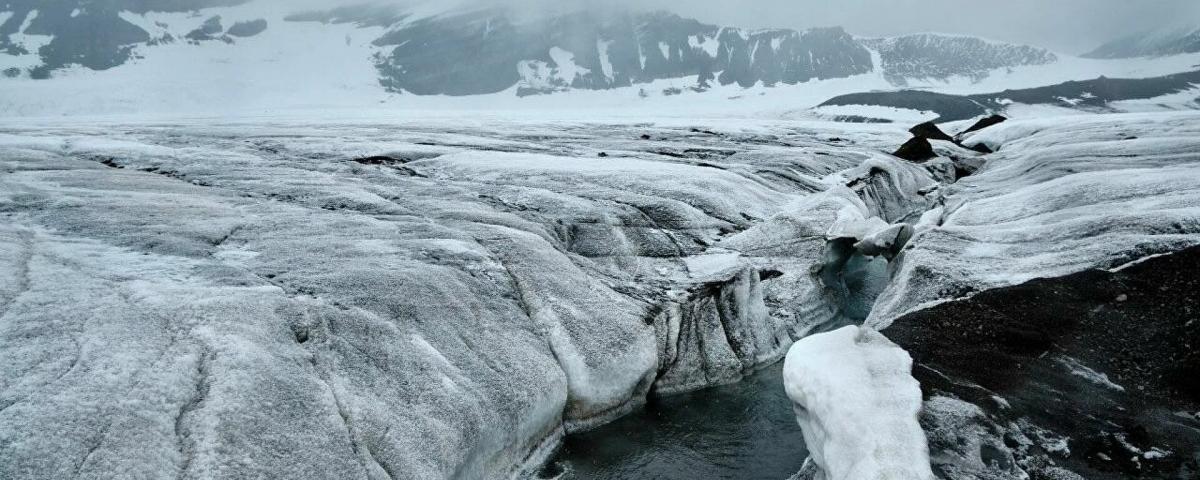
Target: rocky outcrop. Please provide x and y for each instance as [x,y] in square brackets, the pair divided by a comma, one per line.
[916,149]
[90,34]
[593,51]
[982,124]
[930,130]
[209,30]
[941,57]
[247,29]
[954,160]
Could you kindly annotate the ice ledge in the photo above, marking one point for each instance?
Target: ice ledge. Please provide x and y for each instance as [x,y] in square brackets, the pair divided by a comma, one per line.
[857,403]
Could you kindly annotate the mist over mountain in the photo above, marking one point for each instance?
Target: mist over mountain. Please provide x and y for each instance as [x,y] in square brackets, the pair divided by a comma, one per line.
[480,49]
[1152,43]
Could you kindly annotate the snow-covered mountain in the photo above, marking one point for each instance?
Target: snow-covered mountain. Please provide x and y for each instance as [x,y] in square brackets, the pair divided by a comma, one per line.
[925,56]
[1167,42]
[74,57]
[40,36]
[481,51]
[588,51]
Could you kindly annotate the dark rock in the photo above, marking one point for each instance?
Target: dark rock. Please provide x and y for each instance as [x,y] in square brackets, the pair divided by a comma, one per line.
[930,130]
[1042,346]
[248,29]
[110,163]
[769,274]
[602,154]
[916,149]
[984,123]
[981,148]
[381,160]
[645,136]
[396,164]
[207,31]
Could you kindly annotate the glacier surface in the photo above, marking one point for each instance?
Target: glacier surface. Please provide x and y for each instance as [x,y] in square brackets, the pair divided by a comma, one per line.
[445,297]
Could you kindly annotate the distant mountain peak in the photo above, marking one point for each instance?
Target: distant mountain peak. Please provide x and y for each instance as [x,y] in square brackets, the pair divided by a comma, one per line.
[941,56]
[446,48]
[1173,41]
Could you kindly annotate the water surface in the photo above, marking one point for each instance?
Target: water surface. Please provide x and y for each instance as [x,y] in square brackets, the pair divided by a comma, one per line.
[741,431]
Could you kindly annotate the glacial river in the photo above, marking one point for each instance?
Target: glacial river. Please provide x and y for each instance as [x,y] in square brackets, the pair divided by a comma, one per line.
[741,431]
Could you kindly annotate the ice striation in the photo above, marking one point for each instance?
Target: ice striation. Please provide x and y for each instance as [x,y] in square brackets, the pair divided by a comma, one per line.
[361,300]
[1054,199]
[445,298]
[1015,294]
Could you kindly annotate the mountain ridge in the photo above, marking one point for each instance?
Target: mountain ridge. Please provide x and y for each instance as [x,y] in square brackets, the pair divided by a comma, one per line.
[483,51]
[1150,44]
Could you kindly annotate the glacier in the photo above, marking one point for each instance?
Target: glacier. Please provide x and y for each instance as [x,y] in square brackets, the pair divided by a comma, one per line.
[448,296]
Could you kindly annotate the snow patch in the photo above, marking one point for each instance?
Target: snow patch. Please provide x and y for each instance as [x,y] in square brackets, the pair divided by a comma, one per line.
[1082,371]
[33,14]
[566,68]
[720,263]
[898,115]
[709,45]
[605,62]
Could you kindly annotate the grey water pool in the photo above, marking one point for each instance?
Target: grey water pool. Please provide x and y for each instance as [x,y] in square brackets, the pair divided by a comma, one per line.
[744,430]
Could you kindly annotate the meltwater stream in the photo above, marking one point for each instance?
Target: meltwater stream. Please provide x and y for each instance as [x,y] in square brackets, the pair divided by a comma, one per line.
[741,431]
